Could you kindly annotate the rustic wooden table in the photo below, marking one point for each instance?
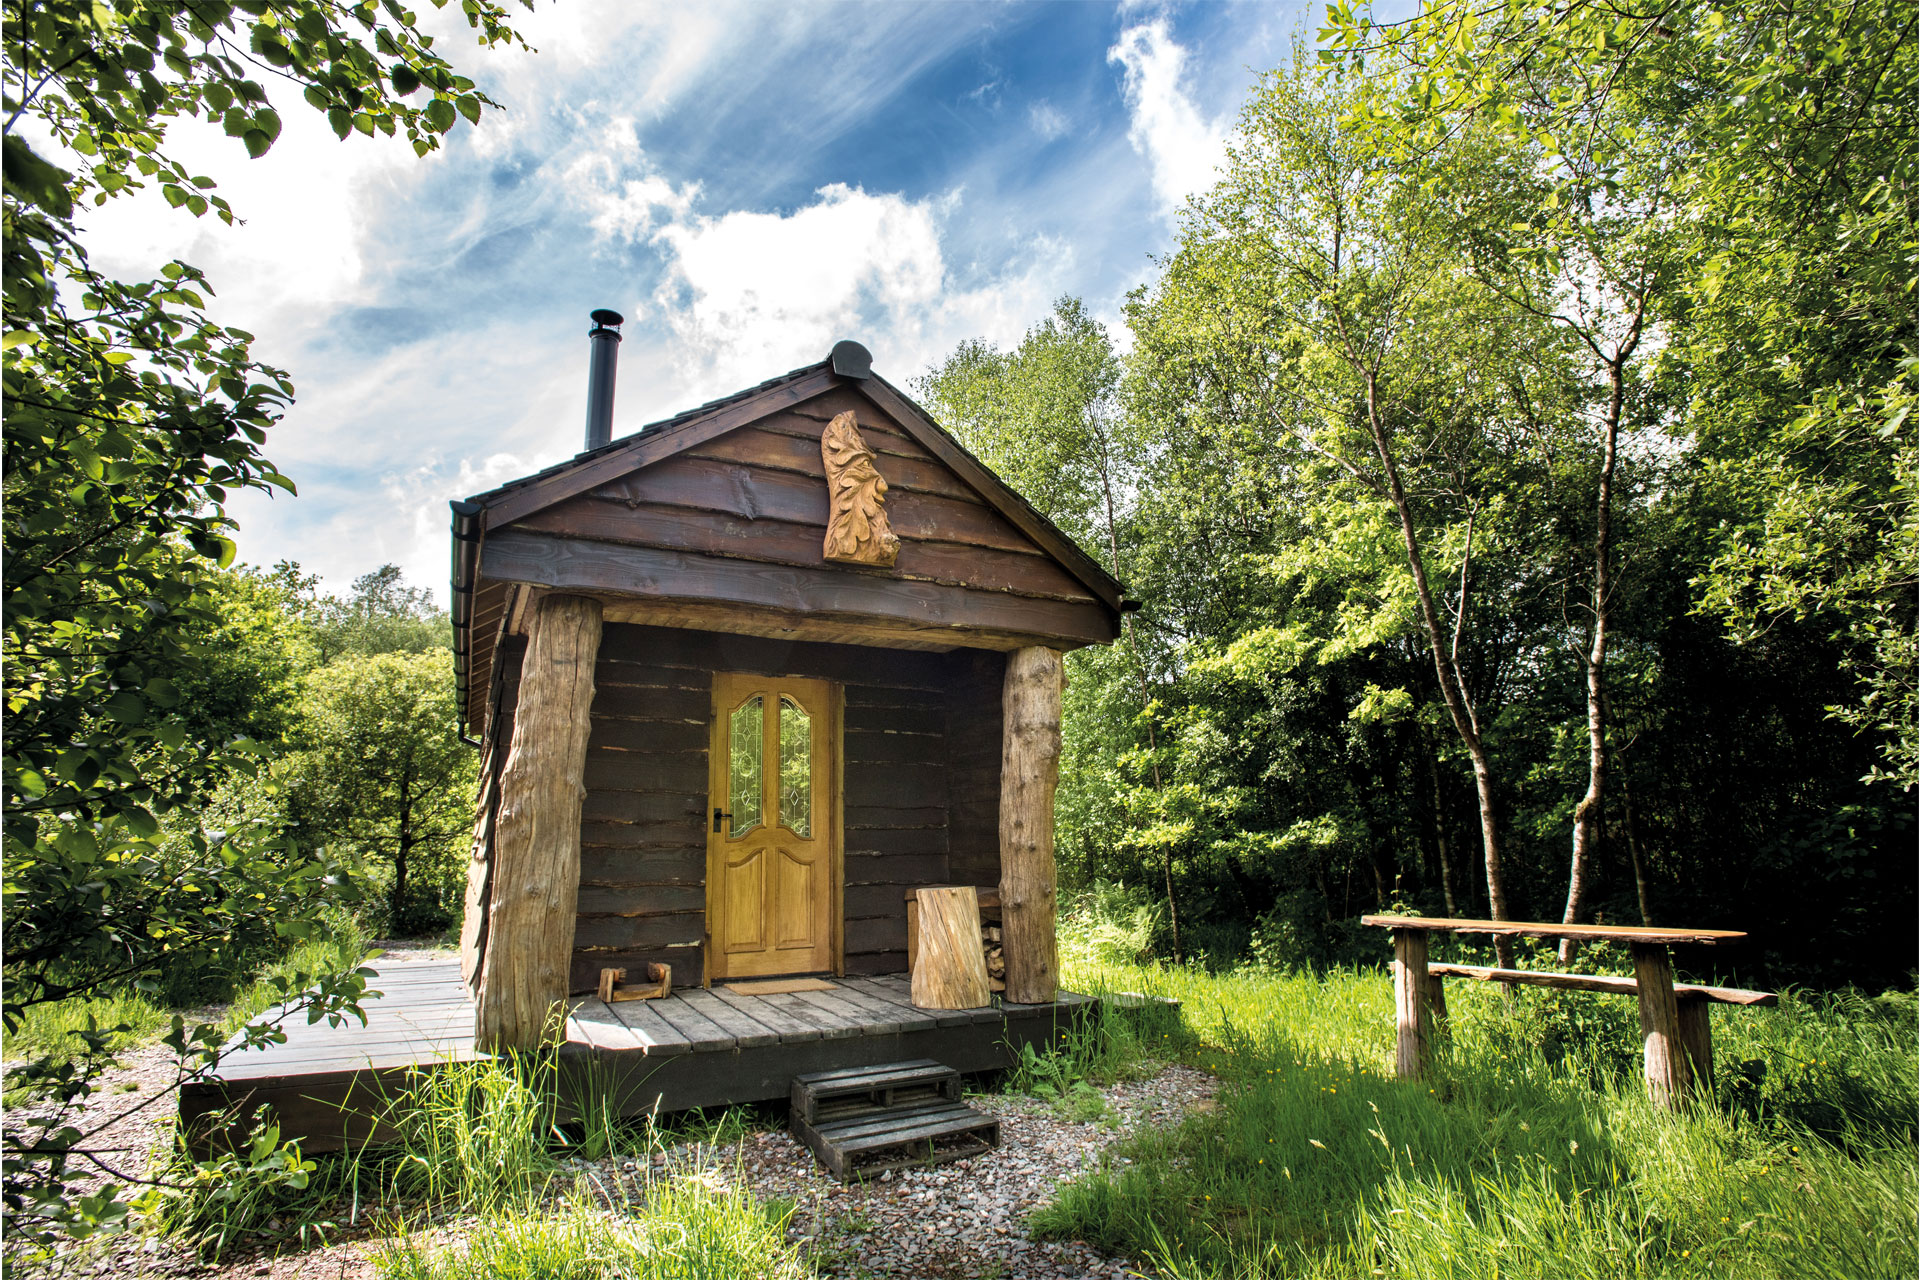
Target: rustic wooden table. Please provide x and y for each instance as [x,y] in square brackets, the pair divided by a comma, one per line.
[1675,1038]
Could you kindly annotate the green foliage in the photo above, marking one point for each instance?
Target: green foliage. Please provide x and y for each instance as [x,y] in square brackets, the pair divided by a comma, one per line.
[1462,227]
[382,615]
[131,419]
[383,776]
[1510,1159]
[51,1029]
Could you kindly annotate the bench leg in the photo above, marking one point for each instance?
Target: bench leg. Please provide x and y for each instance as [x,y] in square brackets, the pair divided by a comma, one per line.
[1696,1038]
[1436,1006]
[1666,1060]
[1410,980]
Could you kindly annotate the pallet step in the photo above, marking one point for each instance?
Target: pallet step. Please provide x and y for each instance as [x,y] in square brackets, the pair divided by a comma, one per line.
[821,1094]
[892,1116]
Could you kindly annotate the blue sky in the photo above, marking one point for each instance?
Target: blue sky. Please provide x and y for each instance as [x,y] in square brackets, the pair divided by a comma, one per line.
[746,182]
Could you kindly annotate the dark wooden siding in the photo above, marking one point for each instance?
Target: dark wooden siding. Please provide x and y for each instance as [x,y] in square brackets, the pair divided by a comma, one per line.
[643,827]
[973,776]
[710,524]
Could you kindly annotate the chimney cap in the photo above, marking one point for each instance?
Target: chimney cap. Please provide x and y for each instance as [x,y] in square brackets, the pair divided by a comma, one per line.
[851,360]
[607,319]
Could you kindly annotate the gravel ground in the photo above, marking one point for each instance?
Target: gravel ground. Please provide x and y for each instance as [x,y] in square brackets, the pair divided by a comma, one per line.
[963,1219]
[966,1219]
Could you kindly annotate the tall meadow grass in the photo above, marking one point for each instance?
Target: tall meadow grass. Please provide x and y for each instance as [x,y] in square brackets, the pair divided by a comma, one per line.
[1529,1149]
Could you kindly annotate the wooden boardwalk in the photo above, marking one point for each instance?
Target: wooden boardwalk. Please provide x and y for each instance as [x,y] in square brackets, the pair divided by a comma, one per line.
[694,1048]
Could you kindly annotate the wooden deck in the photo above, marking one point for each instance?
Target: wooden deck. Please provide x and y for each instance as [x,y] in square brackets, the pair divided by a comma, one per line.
[694,1048]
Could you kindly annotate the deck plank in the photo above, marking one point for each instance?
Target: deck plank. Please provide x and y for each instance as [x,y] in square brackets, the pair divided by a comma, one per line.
[592,1023]
[835,1004]
[903,1018]
[657,1037]
[904,1000]
[833,1024]
[702,1032]
[792,1029]
[746,1032]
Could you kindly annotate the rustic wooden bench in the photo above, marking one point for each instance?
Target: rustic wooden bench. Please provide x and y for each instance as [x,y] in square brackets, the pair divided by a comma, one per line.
[1674,1024]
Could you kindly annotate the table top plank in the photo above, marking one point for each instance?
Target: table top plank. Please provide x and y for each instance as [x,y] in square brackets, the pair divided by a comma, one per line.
[1534,929]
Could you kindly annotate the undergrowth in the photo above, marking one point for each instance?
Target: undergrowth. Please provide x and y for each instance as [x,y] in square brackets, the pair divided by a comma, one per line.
[1529,1148]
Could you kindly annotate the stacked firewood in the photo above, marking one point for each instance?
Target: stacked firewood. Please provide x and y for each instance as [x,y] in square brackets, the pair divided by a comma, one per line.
[996,956]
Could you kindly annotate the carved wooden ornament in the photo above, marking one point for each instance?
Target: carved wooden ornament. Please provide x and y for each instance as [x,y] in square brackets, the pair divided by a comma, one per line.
[857,531]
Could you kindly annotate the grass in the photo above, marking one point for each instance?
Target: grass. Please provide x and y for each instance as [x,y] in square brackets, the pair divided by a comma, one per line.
[47,1029]
[687,1228]
[1528,1151]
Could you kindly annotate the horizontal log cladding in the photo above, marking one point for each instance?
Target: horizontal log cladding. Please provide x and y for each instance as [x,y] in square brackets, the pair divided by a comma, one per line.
[797,543]
[823,594]
[643,839]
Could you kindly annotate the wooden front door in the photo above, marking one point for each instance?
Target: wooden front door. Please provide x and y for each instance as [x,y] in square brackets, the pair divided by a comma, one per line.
[772,837]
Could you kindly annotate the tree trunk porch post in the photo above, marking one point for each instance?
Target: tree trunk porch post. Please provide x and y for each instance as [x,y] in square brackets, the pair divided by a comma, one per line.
[536,838]
[1029,774]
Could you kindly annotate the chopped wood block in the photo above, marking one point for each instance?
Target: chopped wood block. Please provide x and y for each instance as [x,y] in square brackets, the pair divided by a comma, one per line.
[950,971]
[778,986]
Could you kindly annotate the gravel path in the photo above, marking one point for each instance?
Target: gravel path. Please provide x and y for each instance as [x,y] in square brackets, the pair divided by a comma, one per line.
[968,1218]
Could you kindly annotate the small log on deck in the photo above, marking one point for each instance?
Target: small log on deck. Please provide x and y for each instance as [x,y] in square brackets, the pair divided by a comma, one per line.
[950,971]
[1029,774]
[536,855]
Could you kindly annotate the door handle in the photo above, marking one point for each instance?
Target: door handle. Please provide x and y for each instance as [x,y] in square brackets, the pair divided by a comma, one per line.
[719,817]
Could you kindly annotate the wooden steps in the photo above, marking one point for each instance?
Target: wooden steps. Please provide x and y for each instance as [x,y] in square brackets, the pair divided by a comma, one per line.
[895,1115]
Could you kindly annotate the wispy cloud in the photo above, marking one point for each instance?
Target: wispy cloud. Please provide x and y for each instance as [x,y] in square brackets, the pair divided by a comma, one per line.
[1182,146]
[1048,121]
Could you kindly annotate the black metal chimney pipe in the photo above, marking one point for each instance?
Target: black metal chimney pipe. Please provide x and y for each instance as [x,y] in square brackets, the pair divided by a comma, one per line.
[605,336]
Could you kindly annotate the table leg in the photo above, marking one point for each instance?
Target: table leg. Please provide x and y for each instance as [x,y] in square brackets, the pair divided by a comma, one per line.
[1410,979]
[1436,1005]
[1666,1060]
[1696,1037]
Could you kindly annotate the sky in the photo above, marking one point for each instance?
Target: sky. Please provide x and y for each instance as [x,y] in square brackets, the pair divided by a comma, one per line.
[747,183]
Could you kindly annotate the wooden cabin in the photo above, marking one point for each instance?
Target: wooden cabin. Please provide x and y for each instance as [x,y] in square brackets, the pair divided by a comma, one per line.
[744,683]
[743,680]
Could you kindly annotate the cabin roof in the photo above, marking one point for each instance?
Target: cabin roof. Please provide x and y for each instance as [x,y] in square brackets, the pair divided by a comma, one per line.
[669,437]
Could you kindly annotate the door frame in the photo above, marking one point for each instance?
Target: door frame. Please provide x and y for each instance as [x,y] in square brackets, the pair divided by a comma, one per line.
[836,829]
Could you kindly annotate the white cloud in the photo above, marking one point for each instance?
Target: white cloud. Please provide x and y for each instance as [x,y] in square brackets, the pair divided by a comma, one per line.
[1048,120]
[1182,147]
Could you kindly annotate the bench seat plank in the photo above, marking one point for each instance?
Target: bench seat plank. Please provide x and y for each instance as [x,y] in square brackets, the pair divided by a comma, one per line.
[1598,982]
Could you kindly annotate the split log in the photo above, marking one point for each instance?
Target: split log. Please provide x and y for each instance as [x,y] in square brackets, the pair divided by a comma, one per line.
[536,854]
[1666,1059]
[950,971]
[1029,774]
[1696,1039]
[1409,1001]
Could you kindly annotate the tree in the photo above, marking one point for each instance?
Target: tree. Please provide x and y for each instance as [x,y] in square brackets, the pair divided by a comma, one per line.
[1777,137]
[382,615]
[130,417]
[383,773]
[1399,392]
[1045,417]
